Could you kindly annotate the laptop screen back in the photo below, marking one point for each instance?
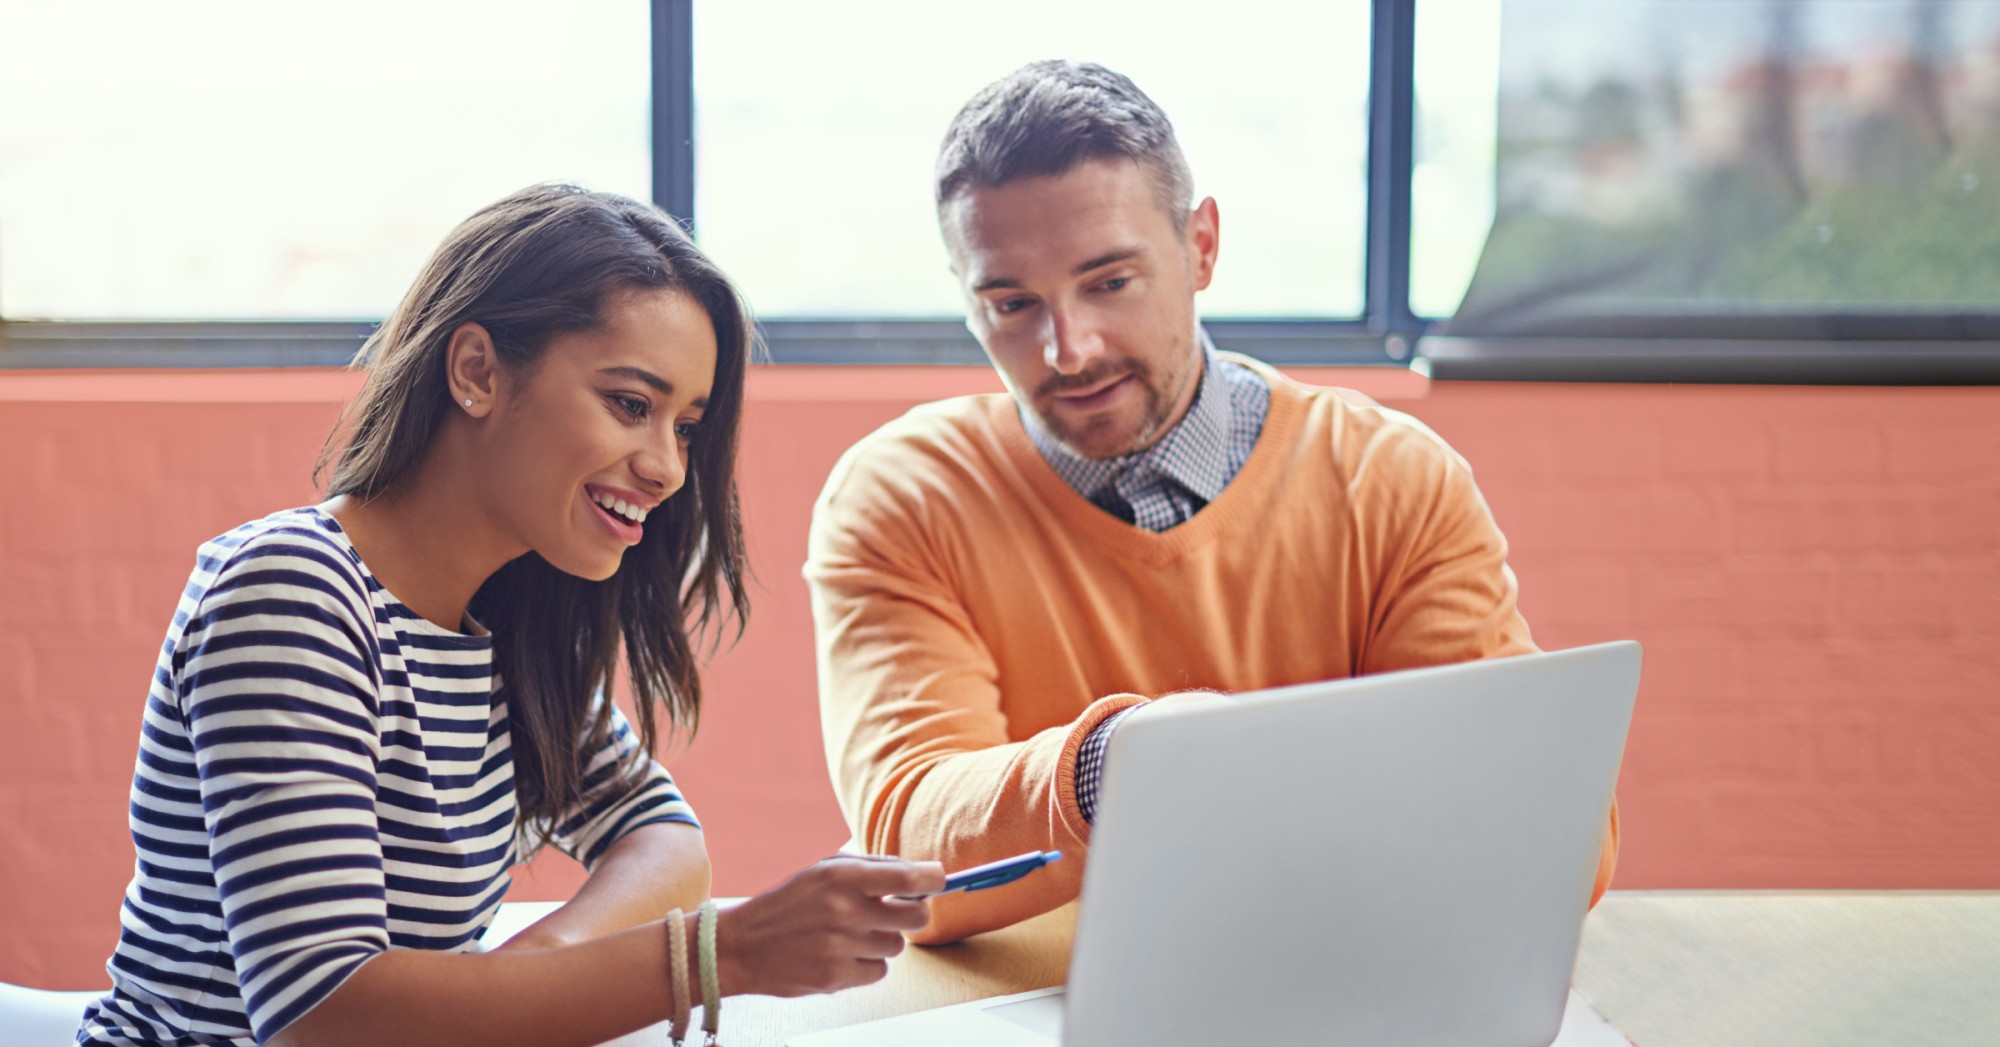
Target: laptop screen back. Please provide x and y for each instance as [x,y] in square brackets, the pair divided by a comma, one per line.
[1403,858]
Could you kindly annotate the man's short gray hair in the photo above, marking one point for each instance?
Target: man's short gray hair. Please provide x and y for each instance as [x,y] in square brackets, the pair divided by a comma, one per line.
[1046,118]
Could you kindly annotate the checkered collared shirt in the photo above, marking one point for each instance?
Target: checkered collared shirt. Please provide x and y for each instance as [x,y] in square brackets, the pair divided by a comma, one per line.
[1163,486]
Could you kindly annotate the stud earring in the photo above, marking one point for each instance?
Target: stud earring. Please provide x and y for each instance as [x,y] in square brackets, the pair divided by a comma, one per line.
[468,401]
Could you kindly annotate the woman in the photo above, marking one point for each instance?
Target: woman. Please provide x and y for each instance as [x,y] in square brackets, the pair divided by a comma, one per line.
[366,711]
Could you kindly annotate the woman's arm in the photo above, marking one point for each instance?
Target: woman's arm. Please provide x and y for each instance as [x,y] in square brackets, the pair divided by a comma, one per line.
[579,994]
[649,871]
[640,841]
[830,927]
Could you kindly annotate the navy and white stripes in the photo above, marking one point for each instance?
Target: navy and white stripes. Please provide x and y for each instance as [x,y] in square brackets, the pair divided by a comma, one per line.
[322,775]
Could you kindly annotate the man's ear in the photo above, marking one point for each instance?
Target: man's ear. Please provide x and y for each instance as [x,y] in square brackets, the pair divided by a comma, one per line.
[472,369]
[1203,238]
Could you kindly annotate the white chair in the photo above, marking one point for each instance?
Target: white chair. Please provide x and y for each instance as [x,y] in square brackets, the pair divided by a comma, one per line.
[39,1017]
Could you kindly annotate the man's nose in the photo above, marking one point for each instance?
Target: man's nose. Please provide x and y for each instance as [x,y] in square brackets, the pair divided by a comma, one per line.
[1071,342]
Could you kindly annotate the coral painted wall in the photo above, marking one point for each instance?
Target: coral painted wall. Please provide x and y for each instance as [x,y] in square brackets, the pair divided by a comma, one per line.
[1815,573]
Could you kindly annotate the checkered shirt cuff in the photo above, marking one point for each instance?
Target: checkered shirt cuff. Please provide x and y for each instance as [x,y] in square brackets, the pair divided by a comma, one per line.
[1090,764]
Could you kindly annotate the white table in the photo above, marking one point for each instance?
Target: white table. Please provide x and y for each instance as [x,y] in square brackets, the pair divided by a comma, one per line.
[1694,968]
[1772,969]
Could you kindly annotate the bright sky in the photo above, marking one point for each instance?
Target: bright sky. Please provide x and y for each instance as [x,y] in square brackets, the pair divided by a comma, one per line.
[197,159]
[204,158]
[227,158]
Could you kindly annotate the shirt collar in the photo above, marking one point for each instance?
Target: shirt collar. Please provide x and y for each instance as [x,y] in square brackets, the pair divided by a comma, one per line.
[1194,453]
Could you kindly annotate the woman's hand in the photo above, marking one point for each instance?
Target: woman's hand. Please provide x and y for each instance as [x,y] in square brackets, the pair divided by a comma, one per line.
[829,927]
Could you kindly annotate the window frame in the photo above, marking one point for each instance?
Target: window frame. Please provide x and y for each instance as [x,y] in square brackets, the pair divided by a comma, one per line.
[1385,334]
[1388,333]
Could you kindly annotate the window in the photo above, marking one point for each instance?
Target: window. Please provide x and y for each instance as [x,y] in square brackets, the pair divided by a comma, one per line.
[1726,166]
[233,160]
[1746,190]
[1451,184]
[816,143]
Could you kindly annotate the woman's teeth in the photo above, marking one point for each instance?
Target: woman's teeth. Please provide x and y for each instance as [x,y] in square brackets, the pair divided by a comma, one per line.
[620,506]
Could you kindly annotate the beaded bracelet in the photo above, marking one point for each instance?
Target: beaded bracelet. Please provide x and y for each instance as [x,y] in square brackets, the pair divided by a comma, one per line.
[677,948]
[711,982]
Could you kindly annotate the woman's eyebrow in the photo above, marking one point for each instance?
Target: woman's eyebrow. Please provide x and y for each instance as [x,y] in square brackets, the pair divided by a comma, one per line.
[661,385]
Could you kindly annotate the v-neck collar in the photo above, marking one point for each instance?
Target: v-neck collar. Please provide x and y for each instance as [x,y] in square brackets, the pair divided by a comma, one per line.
[1246,493]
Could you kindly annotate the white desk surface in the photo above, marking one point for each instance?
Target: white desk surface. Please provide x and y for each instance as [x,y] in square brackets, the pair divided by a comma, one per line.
[1772,969]
[1668,968]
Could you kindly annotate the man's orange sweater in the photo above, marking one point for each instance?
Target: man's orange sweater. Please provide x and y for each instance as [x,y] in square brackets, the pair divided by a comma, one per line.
[977,617]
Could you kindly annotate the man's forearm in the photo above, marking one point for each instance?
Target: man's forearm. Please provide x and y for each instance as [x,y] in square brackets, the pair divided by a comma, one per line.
[980,805]
[652,869]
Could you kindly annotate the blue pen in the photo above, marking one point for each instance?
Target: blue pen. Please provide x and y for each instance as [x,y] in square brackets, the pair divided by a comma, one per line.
[993,874]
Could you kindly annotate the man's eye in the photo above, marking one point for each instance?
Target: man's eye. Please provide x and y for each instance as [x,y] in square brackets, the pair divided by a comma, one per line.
[1009,306]
[1116,283]
[634,407]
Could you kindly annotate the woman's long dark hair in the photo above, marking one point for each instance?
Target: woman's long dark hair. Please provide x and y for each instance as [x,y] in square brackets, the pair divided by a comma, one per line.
[535,265]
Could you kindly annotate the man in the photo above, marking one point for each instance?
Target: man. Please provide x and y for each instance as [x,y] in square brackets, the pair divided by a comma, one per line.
[997,579]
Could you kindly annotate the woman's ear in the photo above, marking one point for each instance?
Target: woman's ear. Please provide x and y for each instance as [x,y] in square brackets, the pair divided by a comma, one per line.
[472,369]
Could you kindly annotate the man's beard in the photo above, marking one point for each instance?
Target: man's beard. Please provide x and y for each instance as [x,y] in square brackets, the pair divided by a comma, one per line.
[1153,413]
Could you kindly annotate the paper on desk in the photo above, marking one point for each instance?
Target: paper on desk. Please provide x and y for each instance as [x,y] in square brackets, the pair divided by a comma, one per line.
[1583,1027]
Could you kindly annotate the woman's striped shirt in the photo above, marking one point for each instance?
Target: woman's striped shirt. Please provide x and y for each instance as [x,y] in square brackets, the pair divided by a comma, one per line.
[322,775]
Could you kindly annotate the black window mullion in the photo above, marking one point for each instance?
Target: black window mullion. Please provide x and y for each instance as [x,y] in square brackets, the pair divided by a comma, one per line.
[1391,123]
[673,108]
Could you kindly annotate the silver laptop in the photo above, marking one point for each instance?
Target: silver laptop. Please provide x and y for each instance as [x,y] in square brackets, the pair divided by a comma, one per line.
[1398,859]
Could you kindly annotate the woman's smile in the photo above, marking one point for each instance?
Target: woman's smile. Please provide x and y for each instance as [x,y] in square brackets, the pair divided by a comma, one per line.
[620,516]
